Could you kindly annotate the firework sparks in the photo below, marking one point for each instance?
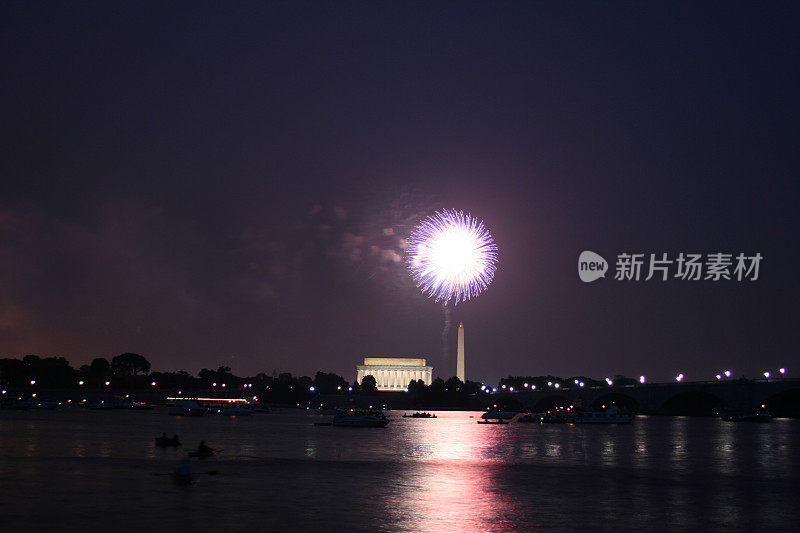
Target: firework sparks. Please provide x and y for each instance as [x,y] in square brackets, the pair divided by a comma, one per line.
[451,256]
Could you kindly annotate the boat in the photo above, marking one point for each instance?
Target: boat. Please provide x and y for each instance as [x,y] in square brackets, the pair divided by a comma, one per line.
[235,410]
[360,418]
[165,442]
[102,405]
[187,408]
[499,414]
[610,415]
[492,421]
[201,453]
[530,418]
[761,415]
[419,415]
[32,403]
[139,406]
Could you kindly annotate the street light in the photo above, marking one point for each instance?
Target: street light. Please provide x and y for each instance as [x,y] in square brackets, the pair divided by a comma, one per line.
[782,370]
[719,377]
[557,385]
[679,377]
[727,373]
[766,375]
[641,379]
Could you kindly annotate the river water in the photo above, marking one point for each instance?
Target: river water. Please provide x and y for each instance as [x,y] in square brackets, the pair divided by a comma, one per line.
[82,470]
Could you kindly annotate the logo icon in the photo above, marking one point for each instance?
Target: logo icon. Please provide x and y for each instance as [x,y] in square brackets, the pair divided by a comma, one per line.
[591,266]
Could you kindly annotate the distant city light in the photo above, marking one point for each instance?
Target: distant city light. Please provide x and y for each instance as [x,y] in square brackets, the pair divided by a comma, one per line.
[641,379]
[577,381]
[766,375]
[108,383]
[679,377]
[33,382]
[311,388]
[494,389]
[782,370]
[526,385]
[483,387]
[557,385]
[549,383]
[349,388]
[727,373]
[214,384]
[719,377]
[339,387]
[153,383]
[533,387]
[80,382]
[33,395]
[609,381]
[223,384]
[580,384]
[511,389]
[4,391]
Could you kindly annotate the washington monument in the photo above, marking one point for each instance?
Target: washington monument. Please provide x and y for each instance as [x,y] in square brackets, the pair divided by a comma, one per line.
[460,353]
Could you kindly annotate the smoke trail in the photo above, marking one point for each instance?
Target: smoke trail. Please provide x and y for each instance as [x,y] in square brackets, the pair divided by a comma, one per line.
[446,329]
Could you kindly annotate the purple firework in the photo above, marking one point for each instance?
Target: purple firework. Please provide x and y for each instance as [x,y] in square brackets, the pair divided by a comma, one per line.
[451,256]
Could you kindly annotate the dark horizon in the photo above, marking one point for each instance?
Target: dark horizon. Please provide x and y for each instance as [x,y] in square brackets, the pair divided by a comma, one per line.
[213,186]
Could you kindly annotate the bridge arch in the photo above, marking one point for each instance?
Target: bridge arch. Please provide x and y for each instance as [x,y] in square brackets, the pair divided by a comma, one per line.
[551,402]
[507,403]
[784,404]
[618,399]
[691,403]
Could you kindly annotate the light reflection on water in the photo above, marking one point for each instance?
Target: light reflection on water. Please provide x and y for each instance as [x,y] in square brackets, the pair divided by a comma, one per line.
[442,474]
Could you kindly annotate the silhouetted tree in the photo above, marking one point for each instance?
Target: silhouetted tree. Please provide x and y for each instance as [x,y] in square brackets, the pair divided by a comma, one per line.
[453,384]
[129,364]
[100,367]
[368,384]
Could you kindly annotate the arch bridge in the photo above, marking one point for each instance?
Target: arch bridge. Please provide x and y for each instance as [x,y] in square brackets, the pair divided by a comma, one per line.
[650,398]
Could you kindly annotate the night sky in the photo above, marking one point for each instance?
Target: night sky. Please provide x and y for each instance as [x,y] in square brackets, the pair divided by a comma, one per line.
[230,183]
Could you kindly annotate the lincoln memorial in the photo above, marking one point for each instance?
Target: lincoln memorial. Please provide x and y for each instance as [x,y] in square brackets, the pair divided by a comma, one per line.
[394,373]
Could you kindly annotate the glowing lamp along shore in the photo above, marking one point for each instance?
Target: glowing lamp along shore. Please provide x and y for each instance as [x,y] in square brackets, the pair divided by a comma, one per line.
[451,256]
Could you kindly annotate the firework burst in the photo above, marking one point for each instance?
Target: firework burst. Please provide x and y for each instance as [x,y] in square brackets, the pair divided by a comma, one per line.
[451,256]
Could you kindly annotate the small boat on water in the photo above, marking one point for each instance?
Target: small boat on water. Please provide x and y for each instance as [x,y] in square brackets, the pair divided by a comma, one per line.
[530,418]
[187,408]
[35,404]
[610,415]
[102,406]
[139,406]
[360,418]
[419,415]
[165,442]
[235,410]
[201,453]
[497,416]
